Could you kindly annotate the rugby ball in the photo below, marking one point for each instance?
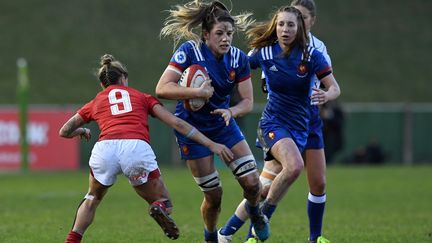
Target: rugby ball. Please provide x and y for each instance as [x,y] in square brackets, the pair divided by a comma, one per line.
[193,77]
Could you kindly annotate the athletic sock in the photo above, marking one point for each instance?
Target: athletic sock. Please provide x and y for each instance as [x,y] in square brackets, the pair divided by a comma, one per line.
[160,204]
[268,209]
[73,237]
[210,236]
[233,224]
[252,210]
[315,209]
[249,235]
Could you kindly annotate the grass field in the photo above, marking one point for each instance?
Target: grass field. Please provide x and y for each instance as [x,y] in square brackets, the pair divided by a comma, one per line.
[365,204]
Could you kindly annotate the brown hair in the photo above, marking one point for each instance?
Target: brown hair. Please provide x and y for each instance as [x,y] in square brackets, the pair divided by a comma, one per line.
[264,33]
[184,19]
[308,4]
[110,71]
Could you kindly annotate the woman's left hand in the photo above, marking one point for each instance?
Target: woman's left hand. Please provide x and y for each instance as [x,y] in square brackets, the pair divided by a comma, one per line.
[225,113]
[318,96]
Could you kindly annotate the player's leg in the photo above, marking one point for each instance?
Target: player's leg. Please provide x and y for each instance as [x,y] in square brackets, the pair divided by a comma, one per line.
[138,164]
[269,172]
[287,155]
[104,168]
[156,194]
[207,178]
[244,168]
[316,174]
[286,152]
[86,210]
[281,144]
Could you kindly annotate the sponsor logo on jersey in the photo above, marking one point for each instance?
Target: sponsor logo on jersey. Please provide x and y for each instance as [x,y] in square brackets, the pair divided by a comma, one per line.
[271,135]
[302,70]
[185,149]
[180,57]
[273,68]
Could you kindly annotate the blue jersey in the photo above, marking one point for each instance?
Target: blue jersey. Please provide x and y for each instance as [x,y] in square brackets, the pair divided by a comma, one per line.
[225,74]
[289,83]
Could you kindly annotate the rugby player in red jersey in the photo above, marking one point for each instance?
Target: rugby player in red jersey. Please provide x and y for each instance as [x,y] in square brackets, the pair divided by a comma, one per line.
[123,147]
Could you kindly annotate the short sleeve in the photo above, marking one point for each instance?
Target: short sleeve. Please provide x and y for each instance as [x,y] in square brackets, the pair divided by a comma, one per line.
[326,55]
[181,58]
[321,67]
[151,101]
[243,72]
[86,112]
[253,59]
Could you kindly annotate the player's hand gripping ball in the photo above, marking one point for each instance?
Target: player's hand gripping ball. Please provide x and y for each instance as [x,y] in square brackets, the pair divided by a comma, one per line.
[193,77]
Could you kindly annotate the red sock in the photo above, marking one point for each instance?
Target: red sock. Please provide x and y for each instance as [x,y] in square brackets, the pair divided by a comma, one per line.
[160,204]
[73,237]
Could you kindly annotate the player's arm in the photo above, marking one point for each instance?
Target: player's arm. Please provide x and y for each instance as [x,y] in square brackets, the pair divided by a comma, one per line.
[245,104]
[168,87]
[72,128]
[191,132]
[331,92]
[243,107]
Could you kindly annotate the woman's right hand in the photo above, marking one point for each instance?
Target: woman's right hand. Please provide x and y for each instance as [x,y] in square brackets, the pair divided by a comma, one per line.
[206,89]
[222,151]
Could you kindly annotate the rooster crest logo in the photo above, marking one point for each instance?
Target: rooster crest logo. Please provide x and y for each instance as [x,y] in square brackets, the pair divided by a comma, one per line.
[185,149]
[232,75]
[302,69]
[271,135]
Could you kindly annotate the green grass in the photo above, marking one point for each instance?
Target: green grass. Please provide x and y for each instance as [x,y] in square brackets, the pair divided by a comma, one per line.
[365,204]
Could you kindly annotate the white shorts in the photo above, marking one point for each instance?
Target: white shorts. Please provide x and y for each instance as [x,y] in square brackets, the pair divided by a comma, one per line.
[132,157]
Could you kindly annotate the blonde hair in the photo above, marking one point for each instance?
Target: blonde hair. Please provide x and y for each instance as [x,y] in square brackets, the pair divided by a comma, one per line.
[183,21]
[111,70]
[264,33]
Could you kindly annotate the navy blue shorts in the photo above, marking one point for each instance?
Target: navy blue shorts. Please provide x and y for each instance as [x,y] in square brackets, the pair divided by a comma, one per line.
[269,132]
[315,138]
[228,136]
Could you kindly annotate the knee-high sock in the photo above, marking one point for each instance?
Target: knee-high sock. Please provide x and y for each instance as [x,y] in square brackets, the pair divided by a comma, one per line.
[210,236]
[73,237]
[267,210]
[315,209]
[233,224]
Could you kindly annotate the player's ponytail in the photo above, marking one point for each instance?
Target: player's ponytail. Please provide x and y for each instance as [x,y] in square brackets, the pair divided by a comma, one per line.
[110,71]
[184,20]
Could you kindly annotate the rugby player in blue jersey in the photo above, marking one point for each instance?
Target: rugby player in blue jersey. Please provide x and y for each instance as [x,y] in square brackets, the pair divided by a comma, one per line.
[290,64]
[227,67]
[313,154]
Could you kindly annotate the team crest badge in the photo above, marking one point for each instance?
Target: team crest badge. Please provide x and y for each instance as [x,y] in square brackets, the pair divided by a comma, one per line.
[232,75]
[185,149]
[180,57]
[271,135]
[302,70]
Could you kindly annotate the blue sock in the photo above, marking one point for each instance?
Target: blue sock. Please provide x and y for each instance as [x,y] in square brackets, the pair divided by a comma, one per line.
[249,235]
[252,210]
[268,209]
[233,224]
[210,236]
[315,209]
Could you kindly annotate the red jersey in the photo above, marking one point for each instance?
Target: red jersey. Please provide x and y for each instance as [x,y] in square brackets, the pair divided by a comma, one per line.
[121,113]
